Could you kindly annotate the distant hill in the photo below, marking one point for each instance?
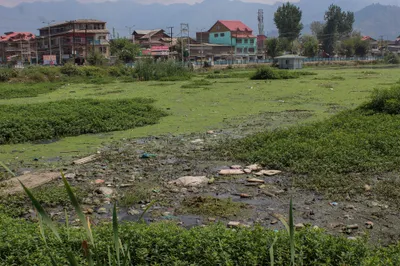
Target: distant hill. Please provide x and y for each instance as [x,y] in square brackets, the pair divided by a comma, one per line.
[373,20]
[379,20]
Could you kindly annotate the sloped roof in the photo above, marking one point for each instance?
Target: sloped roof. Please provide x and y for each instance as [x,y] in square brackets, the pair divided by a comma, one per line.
[17,36]
[146,32]
[235,25]
[367,38]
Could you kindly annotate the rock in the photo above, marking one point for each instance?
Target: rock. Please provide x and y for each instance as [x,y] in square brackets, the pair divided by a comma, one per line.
[99,181]
[350,207]
[26,172]
[133,212]
[70,176]
[102,211]
[196,141]
[268,172]
[254,167]
[236,167]
[352,238]
[210,132]
[274,221]
[167,214]
[183,190]
[231,172]
[245,196]
[126,185]
[212,220]
[374,204]
[106,191]
[352,226]
[255,180]
[369,225]
[190,181]
[86,159]
[233,224]
[211,180]
[315,227]
[367,188]
[247,171]
[262,186]
[299,226]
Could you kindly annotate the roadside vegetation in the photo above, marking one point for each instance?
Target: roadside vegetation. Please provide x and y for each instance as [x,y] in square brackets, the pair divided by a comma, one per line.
[53,120]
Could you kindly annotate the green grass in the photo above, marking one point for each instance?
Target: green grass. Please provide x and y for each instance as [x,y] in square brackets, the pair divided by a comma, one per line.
[232,103]
[52,120]
[24,90]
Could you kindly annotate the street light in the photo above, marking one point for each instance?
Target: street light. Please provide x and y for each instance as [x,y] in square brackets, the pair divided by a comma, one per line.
[48,24]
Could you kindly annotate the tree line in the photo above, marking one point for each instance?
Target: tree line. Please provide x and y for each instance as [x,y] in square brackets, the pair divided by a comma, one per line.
[333,36]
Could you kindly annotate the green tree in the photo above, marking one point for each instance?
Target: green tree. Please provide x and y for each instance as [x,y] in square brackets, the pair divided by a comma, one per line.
[287,19]
[96,59]
[273,47]
[124,49]
[338,24]
[347,47]
[310,45]
[317,29]
[361,48]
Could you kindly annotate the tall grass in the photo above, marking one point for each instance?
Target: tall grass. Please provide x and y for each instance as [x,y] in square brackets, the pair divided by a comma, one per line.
[148,69]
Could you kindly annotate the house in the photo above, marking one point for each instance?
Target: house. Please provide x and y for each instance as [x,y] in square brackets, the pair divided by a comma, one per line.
[210,52]
[290,61]
[237,35]
[153,42]
[17,46]
[73,39]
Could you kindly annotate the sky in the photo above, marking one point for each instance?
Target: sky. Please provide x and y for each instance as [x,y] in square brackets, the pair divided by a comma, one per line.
[11,3]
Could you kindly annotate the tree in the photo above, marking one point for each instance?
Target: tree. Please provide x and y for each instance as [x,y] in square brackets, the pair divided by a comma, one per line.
[96,59]
[317,29]
[124,49]
[287,19]
[338,24]
[310,45]
[273,47]
[361,48]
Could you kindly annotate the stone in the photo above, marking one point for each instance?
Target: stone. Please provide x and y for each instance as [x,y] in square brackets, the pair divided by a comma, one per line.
[106,191]
[99,181]
[367,188]
[70,176]
[196,141]
[233,224]
[247,171]
[245,196]
[102,211]
[231,172]
[190,181]
[89,211]
[299,226]
[167,214]
[274,221]
[212,220]
[315,227]
[352,238]
[236,167]
[210,132]
[268,172]
[133,212]
[352,226]
[126,185]
[369,225]
[255,180]
[254,167]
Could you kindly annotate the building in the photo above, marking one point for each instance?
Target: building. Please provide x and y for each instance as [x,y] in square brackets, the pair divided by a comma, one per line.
[237,35]
[74,39]
[18,46]
[290,61]
[210,52]
[153,42]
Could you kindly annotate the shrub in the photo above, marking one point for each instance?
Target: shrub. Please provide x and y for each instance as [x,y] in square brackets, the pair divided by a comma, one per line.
[23,90]
[7,73]
[70,69]
[93,71]
[384,101]
[148,69]
[73,117]
[392,58]
[272,73]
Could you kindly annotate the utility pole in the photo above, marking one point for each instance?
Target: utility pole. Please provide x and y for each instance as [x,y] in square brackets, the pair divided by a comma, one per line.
[86,43]
[170,28]
[130,29]
[73,40]
[185,28]
[381,43]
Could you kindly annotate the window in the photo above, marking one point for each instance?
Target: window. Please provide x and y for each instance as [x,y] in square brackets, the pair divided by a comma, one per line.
[246,41]
[239,41]
[251,50]
[251,41]
[216,35]
[245,50]
[222,34]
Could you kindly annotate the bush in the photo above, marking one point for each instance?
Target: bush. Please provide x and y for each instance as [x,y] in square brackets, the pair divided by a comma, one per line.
[384,101]
[7,73]
[148,69]
[93,71]
[272,73]
[70,69]
[392,58]
[23,90]
[52,120]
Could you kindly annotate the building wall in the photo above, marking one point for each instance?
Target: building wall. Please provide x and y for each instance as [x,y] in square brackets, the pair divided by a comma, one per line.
[222,38]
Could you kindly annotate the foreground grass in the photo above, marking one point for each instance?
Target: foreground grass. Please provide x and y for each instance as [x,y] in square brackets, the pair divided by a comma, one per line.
[46,121]
[168,244]
[226,100]
[24,90]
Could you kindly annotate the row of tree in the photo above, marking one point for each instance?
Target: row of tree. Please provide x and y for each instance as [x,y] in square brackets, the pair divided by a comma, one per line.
[334,36]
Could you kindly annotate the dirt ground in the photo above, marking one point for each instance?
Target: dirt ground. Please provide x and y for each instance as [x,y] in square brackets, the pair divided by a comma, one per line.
[122,173]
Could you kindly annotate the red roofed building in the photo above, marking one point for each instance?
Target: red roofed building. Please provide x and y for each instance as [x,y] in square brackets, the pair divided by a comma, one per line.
[237,35]
[17,45]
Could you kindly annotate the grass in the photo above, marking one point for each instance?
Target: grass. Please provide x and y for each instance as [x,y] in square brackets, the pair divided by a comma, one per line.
[24,90]
[331,154]
[53,120]
[227,103]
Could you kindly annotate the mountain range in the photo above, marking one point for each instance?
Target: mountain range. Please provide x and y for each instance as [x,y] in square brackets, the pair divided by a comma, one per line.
[371,19]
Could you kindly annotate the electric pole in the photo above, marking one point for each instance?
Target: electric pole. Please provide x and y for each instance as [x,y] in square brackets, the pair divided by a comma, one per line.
[170,28]
[185,29]
[130,29]
[48,24]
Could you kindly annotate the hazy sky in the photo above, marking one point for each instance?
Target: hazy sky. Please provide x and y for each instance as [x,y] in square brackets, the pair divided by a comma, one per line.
[16,2]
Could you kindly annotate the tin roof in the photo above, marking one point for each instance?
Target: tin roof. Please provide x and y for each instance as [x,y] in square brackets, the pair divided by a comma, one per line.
[235,25]
[17,36]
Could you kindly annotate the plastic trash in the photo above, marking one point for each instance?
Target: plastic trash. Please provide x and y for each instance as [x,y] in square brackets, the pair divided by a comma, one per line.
[148,155]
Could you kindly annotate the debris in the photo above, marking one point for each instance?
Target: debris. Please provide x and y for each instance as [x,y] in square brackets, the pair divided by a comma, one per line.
[254,167]
[274,221]
[231,172]
[299,226]
[106,191]
[333,204]
[126,185]
[236,167]
[262,186]
[148,155]
[315,227]
[369,225]
[212,220]
[211,180]
[197,141]
[269,194]
[233,224]
[133,212]
[268,172]
[99,181]
[190,181]
[210,132]
[88,159]
[255,180]
[367,188]
[89,211]
[352,238]
[352,226]
[70,176]
[32,180]
[245,196]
